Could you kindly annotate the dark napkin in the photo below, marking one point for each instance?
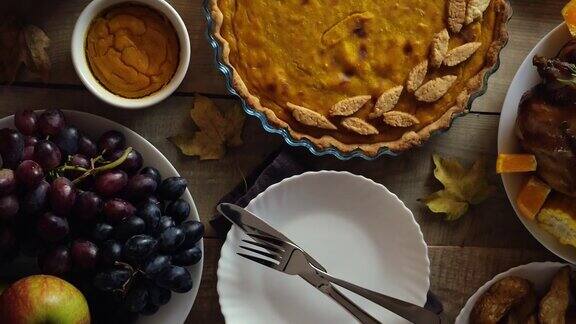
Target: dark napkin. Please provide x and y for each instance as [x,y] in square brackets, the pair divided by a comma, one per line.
[278,166]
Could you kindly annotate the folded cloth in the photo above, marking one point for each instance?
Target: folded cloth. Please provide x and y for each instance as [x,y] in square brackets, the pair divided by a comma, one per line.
[278,166]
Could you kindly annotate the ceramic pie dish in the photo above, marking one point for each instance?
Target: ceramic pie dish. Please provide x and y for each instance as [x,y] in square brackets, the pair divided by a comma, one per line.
[362,79]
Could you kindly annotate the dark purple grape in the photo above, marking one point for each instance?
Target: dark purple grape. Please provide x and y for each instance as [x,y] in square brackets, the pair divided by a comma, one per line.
[67,140]
[26,121]
[139,187]
[153,173]
[11,147]
[56,261]
[175,278]
[151,200]
[117,209]
[172,188]
[88,205]
[112,279]
[84,254]
[159,296]
[111,141]
[139,247]
[9,208]
[193,232]
[151,214]
[52,228]
[7,182]
[149,309]
[136,298]
[165,222]
[187,257]
[133,162]
[47,154]
[30,141]
[28,153]
[8,244]
[154,265]
[62,195]
[35,200]
[87,147]
[170,239]
[129,227]
[29,173]
[110,183]
[110,252]
[178,210]
[51,122]
[80,160]
[102,232]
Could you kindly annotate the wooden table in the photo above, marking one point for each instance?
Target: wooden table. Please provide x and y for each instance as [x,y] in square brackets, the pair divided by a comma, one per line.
[464,254]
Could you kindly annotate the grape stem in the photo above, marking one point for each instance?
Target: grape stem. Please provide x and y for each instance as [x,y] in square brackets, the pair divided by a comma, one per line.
[114,164]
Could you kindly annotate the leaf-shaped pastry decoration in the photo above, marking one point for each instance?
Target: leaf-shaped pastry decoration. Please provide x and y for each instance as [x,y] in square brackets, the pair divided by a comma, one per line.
[399,119]
[435,89]
[416,76]
[456,15]
[439,48]
[387,101]
[309,117]
[461,53]
[349,106]
[475,10]
[359,126]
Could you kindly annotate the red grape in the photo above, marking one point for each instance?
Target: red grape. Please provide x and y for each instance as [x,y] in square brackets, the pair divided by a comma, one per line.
[34,200]
[28,153]
[84,254]
[111,141]
[87,147]
[9,208]
[88,206]
[7,182]
[11,147]
[133,161]
[51,122]
[117,209]
[52,228]
[56,261]
[25,121]
[110,183]
[80,160]
[62,195]
[67,140]
[153,173]
[30,140]
[140,186]
[29,173]
[47,154]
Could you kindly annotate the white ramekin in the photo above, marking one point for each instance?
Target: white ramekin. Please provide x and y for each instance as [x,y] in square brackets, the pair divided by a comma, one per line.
[95,8]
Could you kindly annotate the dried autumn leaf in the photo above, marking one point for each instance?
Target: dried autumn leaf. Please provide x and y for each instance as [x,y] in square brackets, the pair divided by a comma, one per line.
[461,186]
[217,130]
[37,60]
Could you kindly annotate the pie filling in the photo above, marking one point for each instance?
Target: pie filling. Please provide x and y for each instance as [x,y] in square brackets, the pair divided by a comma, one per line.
[317,53]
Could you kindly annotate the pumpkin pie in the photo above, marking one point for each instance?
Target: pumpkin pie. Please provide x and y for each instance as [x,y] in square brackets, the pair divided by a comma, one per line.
[360,74]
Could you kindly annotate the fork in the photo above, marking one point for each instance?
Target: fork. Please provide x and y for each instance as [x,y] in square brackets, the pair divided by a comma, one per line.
[288,258]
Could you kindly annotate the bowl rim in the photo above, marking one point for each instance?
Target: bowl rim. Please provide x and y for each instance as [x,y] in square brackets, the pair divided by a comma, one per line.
[227,71]
[194,214]
[82,68]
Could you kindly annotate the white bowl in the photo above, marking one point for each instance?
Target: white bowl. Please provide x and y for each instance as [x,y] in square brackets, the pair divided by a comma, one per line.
[526,78]
[539,273]
[353,226]
[180,305]
[78,47]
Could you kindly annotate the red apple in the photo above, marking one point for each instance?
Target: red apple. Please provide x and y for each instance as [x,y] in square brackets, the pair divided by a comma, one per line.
[43,299]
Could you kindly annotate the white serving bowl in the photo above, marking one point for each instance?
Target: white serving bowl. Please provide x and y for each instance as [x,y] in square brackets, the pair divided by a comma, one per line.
[78,47]
[526,78]
[539,273]
[180,305]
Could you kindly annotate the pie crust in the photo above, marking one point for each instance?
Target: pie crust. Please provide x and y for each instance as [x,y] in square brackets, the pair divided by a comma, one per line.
[410,137]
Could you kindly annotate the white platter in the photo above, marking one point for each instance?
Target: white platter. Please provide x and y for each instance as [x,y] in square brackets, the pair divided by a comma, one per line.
[180,305]
[353,226]
[526,78]
[539,273]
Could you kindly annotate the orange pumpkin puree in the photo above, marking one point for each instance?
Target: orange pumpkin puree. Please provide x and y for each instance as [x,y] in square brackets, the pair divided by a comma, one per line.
[132,50]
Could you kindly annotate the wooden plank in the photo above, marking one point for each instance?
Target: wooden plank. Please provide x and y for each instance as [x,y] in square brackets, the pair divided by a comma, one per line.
[456,273]
[409,175]
[532,20]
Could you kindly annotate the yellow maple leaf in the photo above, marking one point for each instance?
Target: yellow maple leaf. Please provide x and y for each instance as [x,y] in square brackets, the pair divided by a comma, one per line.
[217,130]
[462,187]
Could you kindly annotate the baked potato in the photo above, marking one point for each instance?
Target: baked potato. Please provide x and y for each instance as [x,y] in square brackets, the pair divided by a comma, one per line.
[554,304]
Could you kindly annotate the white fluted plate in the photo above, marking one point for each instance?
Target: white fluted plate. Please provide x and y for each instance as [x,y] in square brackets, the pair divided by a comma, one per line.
[353,226]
